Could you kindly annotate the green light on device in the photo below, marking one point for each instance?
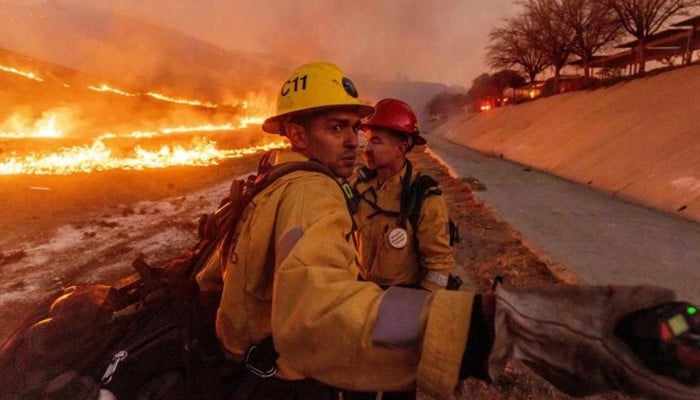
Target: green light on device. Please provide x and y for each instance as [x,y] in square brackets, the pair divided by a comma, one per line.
[692,310]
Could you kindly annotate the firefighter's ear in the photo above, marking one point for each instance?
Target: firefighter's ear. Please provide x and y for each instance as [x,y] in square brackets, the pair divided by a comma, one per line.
[296,134]
[403,147]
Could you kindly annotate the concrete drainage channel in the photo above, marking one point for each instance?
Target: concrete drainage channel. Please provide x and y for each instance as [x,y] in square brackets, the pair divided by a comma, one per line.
[601,238]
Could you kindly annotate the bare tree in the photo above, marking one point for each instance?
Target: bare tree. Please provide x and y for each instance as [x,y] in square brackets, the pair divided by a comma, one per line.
[643,18]
[595,25]
[551,34]
[509,47]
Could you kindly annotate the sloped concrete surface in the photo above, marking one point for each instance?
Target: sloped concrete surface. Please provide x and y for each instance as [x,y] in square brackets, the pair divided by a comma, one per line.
[639,140]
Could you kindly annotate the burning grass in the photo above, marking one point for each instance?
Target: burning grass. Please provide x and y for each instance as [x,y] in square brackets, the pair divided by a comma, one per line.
[52,127]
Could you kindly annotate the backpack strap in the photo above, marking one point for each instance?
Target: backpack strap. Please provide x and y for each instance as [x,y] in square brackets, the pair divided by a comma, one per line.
[365,174]
[413,195]
[264,179]
[423,187]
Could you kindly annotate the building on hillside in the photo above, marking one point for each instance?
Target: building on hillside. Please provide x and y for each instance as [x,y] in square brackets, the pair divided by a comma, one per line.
[681,40]
[527,92]
[568,83]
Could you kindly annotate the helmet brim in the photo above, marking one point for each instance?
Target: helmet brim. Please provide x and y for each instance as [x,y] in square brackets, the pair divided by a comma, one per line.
[273,124]
[418,140]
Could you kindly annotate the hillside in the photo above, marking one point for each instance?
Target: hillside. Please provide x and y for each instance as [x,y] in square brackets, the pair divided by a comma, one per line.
[639,140]
[417,94]
[131,52]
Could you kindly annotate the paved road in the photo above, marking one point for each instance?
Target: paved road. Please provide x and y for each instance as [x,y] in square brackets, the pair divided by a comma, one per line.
[601,238]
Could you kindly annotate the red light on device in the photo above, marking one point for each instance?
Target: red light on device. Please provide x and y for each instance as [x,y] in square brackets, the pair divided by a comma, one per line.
[666,333]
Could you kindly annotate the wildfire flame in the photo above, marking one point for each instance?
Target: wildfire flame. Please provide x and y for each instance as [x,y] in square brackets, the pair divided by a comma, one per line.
[106,88]
[99,157]
[158,96]
[45,128]
[181,101]
[29,75]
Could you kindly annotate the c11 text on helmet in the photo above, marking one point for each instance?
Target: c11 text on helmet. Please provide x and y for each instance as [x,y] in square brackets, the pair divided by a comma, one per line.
[286,88]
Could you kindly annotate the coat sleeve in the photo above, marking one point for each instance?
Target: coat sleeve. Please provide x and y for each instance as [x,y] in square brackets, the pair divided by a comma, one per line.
[209,279]
[434,251]
[331,327]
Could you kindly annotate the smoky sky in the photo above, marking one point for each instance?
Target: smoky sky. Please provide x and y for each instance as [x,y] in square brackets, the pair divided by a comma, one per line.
[437,41]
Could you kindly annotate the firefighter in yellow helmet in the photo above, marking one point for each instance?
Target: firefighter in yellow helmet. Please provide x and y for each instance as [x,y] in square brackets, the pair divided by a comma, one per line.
[292,310]
[289,281]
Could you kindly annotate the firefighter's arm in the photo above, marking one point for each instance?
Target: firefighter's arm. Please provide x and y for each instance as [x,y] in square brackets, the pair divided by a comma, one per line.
[210,284]
[434,251]
[351,334]
[210,278]
[592,339]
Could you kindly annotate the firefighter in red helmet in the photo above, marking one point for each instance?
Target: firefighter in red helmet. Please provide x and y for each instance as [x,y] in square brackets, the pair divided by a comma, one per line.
[402,221]
[403,225]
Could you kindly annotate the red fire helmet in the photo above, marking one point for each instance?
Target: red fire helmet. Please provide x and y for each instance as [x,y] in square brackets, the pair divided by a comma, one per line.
[396,116]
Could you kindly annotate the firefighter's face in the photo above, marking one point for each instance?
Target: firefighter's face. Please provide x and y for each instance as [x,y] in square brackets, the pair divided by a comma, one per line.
[383,149]
[330,138]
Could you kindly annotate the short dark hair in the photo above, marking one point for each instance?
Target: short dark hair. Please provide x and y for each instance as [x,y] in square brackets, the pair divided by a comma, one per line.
[299,118]
[305,117]
[404,137]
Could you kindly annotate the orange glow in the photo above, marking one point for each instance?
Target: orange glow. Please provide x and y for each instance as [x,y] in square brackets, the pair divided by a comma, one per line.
[99,157]
[29,75]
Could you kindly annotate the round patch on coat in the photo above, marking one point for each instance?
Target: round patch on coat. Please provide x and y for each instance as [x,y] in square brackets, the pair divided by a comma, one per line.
[398,238]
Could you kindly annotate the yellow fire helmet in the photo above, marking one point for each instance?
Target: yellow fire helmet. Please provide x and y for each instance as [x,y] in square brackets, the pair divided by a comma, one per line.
[315,86]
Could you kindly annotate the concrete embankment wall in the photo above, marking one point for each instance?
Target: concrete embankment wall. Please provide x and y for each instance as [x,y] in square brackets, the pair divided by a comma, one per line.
[639,140]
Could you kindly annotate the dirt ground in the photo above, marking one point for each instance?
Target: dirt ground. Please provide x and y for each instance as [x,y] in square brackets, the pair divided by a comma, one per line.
[490,247]
[112,217]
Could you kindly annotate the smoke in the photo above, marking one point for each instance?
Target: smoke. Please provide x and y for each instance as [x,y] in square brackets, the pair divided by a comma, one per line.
[439,41]
[246,45]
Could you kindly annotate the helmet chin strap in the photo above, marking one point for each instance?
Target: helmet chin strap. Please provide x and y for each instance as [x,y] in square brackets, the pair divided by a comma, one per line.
[411,143]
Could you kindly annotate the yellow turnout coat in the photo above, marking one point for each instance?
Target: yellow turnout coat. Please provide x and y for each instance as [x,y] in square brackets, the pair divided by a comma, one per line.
[292,274]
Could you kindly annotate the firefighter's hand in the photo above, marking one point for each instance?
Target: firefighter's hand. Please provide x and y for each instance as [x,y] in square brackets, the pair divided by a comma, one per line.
[571,336]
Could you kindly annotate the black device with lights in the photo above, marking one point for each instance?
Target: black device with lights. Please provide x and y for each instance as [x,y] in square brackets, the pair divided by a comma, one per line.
[667,339]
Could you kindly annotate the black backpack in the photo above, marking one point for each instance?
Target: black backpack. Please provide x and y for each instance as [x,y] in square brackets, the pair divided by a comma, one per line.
[144,337]
[413,196]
